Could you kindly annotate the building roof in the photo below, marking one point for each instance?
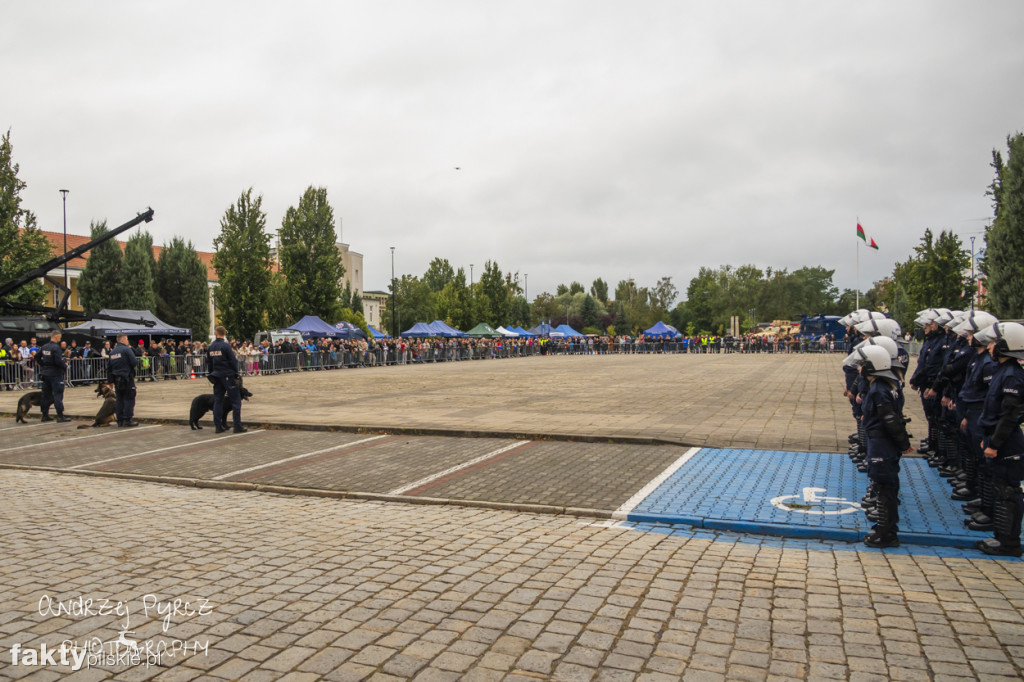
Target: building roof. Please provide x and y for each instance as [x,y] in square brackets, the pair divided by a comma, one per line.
[75,240]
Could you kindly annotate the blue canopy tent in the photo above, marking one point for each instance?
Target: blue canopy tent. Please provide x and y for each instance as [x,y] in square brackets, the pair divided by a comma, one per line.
[349,330]
[519,330]
[377,334]
[419,330]
[661,331]
[445,331]
[568,331]
[542,329]
[312,327]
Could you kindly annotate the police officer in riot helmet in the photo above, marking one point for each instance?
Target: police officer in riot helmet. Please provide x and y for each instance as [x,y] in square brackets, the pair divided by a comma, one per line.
[121,364]
[224,376]
[887,440]
[52,367]
[1002,442]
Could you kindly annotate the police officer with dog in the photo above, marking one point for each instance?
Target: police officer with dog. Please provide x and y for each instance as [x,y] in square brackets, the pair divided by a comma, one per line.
[52,367]
[223,367]
[121,364]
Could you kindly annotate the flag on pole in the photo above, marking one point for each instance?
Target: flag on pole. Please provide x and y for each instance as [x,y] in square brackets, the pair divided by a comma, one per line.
[873,245]
[860,232]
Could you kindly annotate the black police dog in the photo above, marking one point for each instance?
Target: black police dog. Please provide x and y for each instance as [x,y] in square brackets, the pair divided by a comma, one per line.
[202,404]
[25,404]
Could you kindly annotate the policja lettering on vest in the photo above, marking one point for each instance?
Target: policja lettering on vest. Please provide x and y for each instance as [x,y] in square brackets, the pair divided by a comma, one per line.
[223,366]
[121,365]
[51,373]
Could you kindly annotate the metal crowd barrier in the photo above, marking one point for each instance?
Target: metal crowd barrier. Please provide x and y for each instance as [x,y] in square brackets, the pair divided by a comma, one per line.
[19,374]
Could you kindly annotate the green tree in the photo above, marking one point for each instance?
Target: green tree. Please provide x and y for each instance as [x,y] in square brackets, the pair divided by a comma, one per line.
[932,277]
[561,289]
[309,255]
[576,288]
[357,303]
[543,308]
[588,312]
[414,302]
[1004,238]
[99,285]
[439,273]
[182,287]
[278,304]
[136,278]
[22,245]
[599,290]
[242,261]
[495,288]
[664,293]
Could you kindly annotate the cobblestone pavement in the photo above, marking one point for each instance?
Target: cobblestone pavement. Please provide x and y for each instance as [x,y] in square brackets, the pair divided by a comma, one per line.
[773,402]
[305,589]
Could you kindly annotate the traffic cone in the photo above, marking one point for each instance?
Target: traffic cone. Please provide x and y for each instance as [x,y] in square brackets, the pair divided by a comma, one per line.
[193,376]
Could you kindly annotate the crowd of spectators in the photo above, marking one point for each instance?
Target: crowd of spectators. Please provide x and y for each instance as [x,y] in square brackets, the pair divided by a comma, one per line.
[184,359]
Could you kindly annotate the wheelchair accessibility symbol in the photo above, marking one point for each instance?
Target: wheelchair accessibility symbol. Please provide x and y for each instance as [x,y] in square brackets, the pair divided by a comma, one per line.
[812,502]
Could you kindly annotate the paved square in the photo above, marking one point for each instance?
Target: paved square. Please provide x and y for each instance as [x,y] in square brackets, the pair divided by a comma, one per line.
[773,402]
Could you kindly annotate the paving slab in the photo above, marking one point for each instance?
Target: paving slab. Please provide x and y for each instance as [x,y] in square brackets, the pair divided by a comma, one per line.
[309,588]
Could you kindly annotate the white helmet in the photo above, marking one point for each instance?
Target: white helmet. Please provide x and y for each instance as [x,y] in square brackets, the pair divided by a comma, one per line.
[883,342]
[884,327]
[974,322]
[1008,337]
[874,359]
[948,318]
[926,317]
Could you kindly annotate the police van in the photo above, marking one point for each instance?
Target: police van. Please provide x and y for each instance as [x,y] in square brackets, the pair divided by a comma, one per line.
[275,335]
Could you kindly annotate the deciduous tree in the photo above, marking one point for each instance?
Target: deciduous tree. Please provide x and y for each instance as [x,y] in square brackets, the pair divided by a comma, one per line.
[242,261]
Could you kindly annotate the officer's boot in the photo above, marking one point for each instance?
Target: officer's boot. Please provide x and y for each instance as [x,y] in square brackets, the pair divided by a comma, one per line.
[983,518]
[968,491]
[1007,523]
[46,417]
[883,533]
[870,498]
[928,444]
[944,455]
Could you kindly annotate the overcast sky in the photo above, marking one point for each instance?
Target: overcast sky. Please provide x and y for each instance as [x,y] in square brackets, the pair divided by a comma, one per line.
[611,139]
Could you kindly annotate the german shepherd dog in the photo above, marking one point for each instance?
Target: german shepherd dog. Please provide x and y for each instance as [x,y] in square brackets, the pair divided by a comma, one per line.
[202,404]
[108,410]
[25,404]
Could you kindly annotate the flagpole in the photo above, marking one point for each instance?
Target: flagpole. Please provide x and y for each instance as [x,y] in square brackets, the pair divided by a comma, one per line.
[857,307]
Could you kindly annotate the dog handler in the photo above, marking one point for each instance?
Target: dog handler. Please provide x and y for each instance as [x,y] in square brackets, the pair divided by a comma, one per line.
[223,366]
[51,372]
[121,365]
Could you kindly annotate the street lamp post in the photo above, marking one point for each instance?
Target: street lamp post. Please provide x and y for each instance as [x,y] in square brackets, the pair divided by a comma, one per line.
[526,286]
[974,284]
[64,196]
[394,309]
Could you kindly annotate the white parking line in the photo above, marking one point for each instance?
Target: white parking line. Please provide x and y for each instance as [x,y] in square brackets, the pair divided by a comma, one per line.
[24,426]
[632,502]
[68,440]
[442,474]
[339,446]
[150,452]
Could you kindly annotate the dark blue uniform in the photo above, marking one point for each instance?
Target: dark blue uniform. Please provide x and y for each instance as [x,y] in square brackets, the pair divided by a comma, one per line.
[929,363]
[969,403]
[51,364]
[887,439]
[121,364]
[1000,422]
[223,367]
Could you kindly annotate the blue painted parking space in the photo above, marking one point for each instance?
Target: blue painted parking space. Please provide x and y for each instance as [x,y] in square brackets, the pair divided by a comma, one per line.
[799,495]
